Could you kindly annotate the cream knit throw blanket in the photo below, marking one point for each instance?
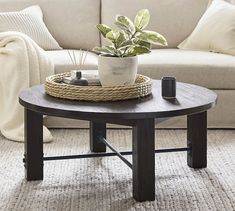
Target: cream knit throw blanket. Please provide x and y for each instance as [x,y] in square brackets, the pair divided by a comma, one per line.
[22,64]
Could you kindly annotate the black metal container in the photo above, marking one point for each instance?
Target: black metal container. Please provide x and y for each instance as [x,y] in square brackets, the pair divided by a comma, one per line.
[168,87]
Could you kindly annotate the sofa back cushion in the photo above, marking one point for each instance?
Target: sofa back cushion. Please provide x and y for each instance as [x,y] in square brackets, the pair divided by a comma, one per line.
[71,22]
[230,1]
[175,19]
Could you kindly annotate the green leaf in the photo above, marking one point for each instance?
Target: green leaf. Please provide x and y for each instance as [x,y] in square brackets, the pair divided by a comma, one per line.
[113,35]
[152,37]
[113,50]
[124,39]
[142,19]
[104,29]
[123,28]
[118,38]
[142,43]
[107,50]
[137,50]
[125,44]
[137,29]
[100,50]
[125,23]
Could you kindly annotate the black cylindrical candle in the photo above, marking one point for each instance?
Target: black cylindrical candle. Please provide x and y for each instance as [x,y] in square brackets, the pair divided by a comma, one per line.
[168,87]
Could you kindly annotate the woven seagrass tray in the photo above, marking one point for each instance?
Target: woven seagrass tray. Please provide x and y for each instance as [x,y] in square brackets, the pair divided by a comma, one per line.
[56,88]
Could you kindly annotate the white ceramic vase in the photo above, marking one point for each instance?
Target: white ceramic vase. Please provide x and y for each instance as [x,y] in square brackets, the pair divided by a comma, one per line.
[116,71]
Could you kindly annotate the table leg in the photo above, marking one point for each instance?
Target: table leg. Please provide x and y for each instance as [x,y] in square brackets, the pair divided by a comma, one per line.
[33,145]
[197,140]
[97,129]
[143,160]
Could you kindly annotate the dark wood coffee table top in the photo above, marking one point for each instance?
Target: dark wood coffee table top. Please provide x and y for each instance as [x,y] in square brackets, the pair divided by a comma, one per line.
[190,99]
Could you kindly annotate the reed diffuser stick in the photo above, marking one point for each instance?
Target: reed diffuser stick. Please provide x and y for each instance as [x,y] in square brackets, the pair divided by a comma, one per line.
[80,61]
[71,58]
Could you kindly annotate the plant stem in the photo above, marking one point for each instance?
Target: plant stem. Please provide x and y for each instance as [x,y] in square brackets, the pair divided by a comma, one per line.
[128,40]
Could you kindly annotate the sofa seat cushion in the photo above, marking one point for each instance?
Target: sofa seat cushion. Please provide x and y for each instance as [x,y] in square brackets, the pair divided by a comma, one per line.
[212,70]
[63,62]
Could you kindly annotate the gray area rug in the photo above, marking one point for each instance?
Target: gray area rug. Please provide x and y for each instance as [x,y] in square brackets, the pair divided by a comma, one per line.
[106,183]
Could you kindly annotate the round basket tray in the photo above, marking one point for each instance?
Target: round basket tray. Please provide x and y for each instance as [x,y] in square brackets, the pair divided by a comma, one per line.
[56,88]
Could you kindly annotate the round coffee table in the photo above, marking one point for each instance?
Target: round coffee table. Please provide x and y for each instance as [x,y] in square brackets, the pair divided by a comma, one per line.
[140,114]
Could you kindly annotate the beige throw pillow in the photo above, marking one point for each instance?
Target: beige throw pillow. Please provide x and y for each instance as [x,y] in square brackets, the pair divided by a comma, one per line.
[30,22]
[215,31]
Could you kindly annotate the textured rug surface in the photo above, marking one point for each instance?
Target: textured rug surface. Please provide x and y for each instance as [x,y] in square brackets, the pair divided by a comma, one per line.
[106,183]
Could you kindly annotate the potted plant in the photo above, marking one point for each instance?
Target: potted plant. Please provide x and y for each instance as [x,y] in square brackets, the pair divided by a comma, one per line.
[118,61]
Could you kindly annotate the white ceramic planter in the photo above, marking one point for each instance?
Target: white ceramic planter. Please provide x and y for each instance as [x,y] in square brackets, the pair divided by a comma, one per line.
[115,71]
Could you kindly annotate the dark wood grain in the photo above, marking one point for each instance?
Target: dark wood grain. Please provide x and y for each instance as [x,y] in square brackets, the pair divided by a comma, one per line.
[190,99]
[197,140]
[143,160]
[97,129]
[33,145]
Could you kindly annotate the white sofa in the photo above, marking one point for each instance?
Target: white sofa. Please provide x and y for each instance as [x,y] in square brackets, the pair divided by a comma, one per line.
[72,24]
